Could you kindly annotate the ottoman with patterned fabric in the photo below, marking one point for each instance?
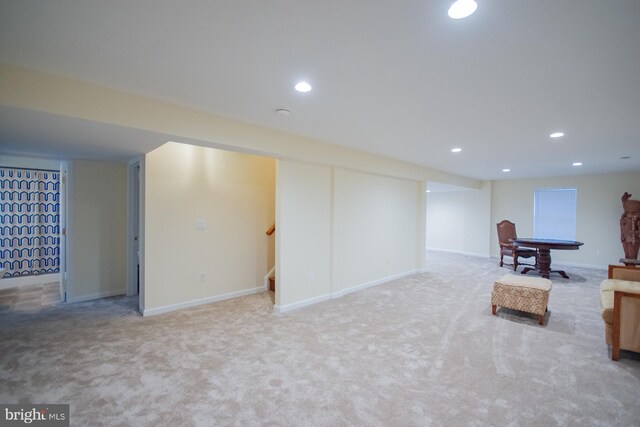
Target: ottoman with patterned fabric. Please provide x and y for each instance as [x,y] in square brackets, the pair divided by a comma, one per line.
[528,294]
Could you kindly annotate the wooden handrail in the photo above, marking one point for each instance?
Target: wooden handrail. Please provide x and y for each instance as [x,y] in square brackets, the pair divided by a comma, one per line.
[271,230]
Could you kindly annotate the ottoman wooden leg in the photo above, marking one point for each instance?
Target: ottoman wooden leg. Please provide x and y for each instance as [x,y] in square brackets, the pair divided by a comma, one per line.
[541,319]
[493,309]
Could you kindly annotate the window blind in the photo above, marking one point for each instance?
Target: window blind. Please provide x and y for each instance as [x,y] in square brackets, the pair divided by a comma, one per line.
[554,215]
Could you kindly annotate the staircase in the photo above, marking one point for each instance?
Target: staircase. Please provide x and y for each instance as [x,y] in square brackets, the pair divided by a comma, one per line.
[272,277]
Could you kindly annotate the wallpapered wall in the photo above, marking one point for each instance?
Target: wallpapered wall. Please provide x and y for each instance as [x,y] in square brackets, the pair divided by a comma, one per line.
[29,221]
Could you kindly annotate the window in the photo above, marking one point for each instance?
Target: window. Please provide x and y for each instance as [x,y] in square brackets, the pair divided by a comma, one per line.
[554,213]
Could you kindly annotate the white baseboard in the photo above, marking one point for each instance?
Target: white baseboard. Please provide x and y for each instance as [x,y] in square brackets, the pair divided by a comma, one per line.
[343,292]
[300,304]
[356,288]
[36,279]
[575,264]
[192,303]
[98,295]
[569,264]
[452,251]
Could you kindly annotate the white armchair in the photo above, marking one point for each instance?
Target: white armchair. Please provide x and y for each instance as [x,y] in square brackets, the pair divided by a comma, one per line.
[620,309]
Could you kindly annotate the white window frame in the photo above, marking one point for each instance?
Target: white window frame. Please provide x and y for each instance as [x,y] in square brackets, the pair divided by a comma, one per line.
[558,221]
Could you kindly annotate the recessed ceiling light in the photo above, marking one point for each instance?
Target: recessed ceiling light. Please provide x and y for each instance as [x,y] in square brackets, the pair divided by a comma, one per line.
[577,163]
[462,8]
[303,87]
[282,112]
[456,150]
[506,170]
[428,191]
[557,135]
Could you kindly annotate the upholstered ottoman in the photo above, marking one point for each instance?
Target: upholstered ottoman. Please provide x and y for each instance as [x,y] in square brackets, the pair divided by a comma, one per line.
[529,294]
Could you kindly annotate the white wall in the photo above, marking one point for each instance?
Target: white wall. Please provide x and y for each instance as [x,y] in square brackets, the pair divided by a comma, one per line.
[233,196]
[339,230]
[96,230]
[457,221]
[597,213]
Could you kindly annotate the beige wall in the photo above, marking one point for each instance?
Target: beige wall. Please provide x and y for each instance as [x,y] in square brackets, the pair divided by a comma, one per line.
[28,162]
[375,228]
[233,196]
[597,213]
[96,231]
[303,232]
[33,90]
[339,230]
[457,221]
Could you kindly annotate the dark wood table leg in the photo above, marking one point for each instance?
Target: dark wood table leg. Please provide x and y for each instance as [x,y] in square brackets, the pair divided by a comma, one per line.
[543,263]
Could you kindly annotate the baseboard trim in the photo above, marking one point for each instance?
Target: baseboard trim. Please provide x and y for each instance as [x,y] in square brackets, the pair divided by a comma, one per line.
[356,288]
[567,264]
[452,251]
[300,304]
[334,295]
[200,301]
[98,295]
[575,264]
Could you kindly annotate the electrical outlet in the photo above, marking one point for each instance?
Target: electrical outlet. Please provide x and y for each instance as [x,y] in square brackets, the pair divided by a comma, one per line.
[312,276]
[599,252]
[202,277]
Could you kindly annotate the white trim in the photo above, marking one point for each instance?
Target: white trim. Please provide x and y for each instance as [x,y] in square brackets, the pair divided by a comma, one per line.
[98,295]
[373,283]
[265,281]
[64,179]
[36,279]
[300,304]
[141,235]
[453,251]
[569,264]
[194,302]
[578,265]
[133,222]
[343,292]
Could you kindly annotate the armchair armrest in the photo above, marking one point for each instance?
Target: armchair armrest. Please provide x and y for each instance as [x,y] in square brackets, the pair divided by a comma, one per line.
[617,313]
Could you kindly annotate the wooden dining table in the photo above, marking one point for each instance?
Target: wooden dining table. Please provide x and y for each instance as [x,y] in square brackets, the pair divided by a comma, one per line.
[544,246]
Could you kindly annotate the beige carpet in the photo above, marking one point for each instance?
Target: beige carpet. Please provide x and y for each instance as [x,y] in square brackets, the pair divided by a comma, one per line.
[420,351]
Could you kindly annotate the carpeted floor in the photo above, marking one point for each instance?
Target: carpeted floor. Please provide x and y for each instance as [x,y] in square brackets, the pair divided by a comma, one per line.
[423,350]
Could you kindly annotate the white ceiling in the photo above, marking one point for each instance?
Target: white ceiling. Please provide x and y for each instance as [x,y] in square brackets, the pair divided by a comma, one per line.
[397,78]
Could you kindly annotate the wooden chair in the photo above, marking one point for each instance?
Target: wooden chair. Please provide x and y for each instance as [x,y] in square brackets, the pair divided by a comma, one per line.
[620,309]
[506,232]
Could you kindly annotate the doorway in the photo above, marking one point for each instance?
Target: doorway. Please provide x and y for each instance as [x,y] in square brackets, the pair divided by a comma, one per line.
[133,229]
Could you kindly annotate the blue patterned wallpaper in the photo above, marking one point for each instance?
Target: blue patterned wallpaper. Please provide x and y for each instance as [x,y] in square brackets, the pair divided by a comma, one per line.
[29,221]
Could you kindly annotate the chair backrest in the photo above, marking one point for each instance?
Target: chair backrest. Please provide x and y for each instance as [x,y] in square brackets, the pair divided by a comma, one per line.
[506,231]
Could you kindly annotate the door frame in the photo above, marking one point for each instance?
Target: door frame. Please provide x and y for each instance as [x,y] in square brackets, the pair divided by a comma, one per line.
[133,227]
[62,205]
